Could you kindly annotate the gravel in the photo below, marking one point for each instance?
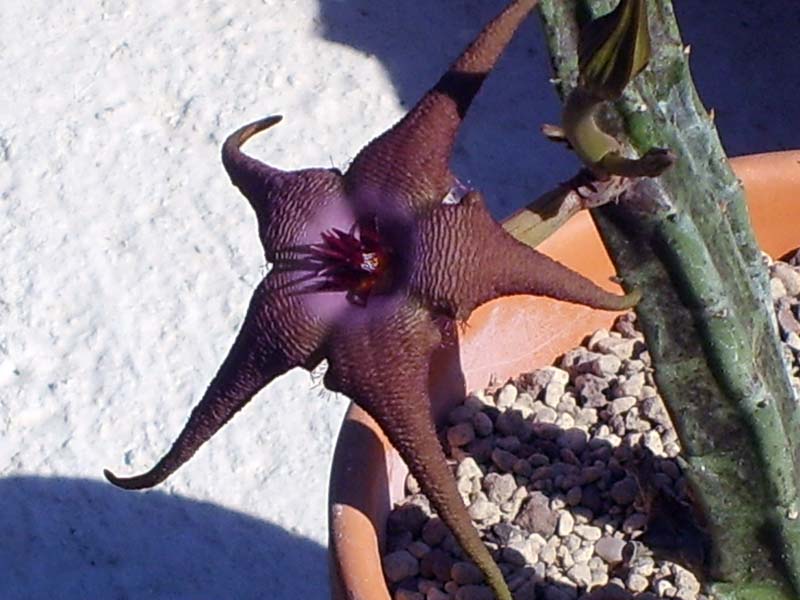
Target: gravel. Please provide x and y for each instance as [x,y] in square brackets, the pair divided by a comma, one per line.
[558,469]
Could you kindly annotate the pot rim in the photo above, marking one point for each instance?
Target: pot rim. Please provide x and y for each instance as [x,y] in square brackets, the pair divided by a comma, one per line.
[367,474]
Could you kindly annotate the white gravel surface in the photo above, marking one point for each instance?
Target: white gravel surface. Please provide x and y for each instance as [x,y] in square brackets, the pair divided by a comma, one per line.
[127,258]
[571,475]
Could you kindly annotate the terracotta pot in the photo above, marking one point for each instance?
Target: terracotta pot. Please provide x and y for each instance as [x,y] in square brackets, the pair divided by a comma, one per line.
[503,339]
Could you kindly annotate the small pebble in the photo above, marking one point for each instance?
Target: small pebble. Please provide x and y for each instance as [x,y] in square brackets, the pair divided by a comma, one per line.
[437,594]
[508,423]
[434,532]
[553,393]
[567,403]
[624,491]
[592,389]
[583,554]
[400,565]
[398,540]
[524,402]
[556,593]
[499,488]
[512,507]
[483,510]
[652,408]
[509,443]
[418,549]
[634,522]
[482,424]
[555,375]
[609,549]
[407,517]
[672,449]
[793,341]
[566,523]
[522,467]
[526,591]
[671,469]
[644,566]
[469,468]
[503,459]
[480,450]
[547,554]
[599,578]
[574,495]
[474,592]
[506,396]
[565,421]
[623,404]
[685,582]
[652,441]
[545,414]
[632,386]
[520,553]
[461,434]
[788,276]
[598,336]
[581,575]
[622,348]
[465,573]
[787,318]
[665,589]
[776,288]
[626,325]
[437,564]
[403,594]
[506,533]
[536,515]
[589,532]
[637,583]
[575,439]
[604,365]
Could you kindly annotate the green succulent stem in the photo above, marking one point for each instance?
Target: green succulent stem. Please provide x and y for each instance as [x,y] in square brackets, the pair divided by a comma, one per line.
[685,239]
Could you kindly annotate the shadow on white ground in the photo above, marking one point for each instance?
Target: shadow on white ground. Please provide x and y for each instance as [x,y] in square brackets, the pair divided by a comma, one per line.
[73,539]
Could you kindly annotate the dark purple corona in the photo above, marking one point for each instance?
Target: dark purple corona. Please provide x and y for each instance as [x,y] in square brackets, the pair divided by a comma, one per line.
[356,262]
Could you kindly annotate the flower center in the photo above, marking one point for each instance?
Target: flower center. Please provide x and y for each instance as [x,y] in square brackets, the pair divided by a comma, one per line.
[356,262]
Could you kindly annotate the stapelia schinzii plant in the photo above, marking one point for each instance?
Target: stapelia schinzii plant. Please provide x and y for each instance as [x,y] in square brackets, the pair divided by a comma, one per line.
[367,264]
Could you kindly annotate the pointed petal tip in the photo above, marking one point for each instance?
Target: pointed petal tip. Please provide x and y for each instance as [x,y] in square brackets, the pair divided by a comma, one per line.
[415,154]
[631,299]
[605,300]
[235,140]
[247,173]
[113,479]
[131,483]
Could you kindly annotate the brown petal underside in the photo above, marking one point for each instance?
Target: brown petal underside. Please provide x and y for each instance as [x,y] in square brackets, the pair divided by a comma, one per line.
[382,364]
[465,258]
[259,354]
[410,162]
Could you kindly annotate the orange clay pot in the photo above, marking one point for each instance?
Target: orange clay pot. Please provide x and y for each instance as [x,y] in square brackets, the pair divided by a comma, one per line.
[501,340]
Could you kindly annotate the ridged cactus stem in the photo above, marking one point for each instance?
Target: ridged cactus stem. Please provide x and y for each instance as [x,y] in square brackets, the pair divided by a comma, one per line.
[686,241]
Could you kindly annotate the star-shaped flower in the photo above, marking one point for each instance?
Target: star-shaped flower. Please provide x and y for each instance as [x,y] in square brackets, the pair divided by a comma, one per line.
[366,265]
